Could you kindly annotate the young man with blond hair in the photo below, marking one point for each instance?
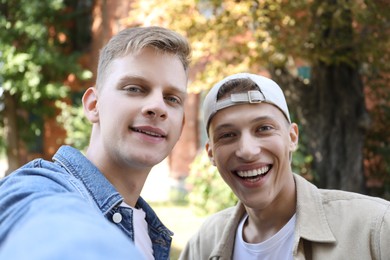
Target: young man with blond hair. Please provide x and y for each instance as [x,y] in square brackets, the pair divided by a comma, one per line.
[89,206]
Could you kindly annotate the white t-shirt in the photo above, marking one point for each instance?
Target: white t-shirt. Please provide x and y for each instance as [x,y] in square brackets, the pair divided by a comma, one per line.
[141,237]
[279,246]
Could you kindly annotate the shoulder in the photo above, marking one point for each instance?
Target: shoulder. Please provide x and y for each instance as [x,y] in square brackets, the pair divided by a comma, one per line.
[354,203]
[30,183]
[329,196]
[69,227]
[348,207]
[26,192]
[335,215]
[338,199]
[38,176]
[364,218]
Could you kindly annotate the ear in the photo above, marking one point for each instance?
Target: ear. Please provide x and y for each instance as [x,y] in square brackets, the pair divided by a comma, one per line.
[294,137]
[90,105]
[209,151]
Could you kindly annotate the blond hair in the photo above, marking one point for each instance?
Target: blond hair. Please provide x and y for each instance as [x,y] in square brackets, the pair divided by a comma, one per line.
[133,40]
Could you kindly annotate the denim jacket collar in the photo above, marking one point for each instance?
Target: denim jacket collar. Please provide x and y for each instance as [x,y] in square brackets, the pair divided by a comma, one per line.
[100,189]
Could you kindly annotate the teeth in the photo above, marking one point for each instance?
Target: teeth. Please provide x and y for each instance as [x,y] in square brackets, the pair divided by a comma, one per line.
[253,173]
[151,133]
[148,133]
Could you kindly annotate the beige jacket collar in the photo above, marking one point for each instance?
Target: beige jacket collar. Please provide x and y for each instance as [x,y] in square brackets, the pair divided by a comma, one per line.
[311,224]
[311,218]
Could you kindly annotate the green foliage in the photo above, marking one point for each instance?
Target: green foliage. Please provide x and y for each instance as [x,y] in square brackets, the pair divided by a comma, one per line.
[230,36]
[35,59]
[77,127]
[209,193]
[301,164]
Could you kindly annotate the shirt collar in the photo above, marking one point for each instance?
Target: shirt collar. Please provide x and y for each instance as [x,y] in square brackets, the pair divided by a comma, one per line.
[311,218]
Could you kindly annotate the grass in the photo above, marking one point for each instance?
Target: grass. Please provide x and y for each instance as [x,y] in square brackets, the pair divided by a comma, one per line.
[181,220]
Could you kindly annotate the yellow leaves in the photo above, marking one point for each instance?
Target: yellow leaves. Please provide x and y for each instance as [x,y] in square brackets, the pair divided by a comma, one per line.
[236,7]
[288,21]
[252,44]
[166,13]
[226,37]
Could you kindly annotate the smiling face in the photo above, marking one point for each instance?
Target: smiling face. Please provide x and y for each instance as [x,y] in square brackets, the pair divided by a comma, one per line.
[251,145]
[138,113]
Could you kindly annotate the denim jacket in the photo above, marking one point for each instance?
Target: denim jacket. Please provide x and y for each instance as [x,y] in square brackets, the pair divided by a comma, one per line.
[72,175]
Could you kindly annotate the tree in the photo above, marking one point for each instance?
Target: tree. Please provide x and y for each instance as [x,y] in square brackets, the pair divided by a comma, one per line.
[340,39]
[37,54]
[319,51]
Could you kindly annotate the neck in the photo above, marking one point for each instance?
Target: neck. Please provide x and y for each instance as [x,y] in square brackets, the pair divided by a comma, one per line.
[263,224]
[127,180]
[129,188]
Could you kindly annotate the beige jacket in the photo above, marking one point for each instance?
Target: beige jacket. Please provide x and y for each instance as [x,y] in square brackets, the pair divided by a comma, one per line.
[330,224]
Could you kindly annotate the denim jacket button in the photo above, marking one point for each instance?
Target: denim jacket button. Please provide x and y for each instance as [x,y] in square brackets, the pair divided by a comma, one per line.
[117,217]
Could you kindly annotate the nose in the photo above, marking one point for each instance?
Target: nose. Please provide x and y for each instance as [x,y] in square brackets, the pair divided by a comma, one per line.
[248,148]
[155,107]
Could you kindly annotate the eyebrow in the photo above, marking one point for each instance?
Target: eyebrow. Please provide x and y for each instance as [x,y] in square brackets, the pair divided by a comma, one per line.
[262,118]
[257,119]
[125,80]
[139,79]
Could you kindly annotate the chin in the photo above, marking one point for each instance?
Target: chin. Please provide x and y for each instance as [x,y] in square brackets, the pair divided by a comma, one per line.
[151,162]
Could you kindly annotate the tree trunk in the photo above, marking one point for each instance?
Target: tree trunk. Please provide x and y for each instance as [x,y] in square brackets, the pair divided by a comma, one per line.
[331,108]
[11,133]
[335,119]
[336,116]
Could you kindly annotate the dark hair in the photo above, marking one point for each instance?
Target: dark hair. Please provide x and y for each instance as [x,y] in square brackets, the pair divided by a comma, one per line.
[236,86]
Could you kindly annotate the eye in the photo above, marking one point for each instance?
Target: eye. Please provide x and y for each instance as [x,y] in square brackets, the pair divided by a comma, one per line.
[133,89]
[225,136]
[173,99]
[265,128]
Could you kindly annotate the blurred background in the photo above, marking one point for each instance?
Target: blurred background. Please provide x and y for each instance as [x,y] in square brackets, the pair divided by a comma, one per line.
[331,58]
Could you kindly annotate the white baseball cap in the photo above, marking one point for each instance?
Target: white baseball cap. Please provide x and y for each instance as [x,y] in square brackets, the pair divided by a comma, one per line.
[269,92]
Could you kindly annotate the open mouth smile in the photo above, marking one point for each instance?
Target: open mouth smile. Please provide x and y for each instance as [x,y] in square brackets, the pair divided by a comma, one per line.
[255,174]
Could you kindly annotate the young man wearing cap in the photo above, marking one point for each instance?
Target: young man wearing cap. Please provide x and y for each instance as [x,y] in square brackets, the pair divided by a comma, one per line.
[88,206]
[280,215]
